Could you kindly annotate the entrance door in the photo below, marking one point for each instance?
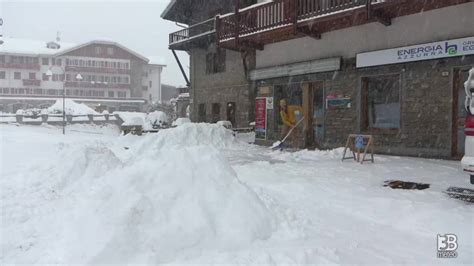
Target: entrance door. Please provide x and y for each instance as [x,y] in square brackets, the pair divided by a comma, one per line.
[459,112]
[313,106]
[231,113]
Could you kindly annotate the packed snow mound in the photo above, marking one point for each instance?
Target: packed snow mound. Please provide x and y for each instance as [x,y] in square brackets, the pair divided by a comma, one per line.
[192,134]
[72,108]
[153,120]
[181,121]
[111,205]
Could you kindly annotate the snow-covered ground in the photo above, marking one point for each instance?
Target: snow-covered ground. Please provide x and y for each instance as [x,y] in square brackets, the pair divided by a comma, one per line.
[196,195]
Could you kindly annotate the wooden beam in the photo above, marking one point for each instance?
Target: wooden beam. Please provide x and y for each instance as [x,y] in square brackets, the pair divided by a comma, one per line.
[252,45]
[310,32]
[380,17]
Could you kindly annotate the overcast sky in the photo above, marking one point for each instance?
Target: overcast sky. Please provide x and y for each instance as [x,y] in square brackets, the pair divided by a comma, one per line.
[135,24]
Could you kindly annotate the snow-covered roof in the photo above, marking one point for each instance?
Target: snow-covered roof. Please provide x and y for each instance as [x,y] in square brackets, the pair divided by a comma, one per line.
[31,47]
[105,42]
[18,46]
[156,60]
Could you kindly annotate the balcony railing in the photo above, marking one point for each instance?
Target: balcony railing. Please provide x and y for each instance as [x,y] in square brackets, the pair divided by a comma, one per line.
[279,13]
[79,69]
[20,66]
[86,84]
[31,82]
[198,30]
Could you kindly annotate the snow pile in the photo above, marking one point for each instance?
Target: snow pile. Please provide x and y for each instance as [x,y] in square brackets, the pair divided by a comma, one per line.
[181,121]
[71,107]
[151,204]
[157,119]
[154,120]
[192,134]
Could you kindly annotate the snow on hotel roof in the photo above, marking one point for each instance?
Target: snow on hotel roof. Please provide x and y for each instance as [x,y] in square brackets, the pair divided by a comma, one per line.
[17,46]
[31,47]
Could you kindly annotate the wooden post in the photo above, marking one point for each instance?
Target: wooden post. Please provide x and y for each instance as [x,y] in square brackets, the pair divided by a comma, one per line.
[217,26]
[237,22]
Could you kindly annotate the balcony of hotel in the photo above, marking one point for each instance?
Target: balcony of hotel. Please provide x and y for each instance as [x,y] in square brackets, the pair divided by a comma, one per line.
[193,36]
[280,20]
[84,69]
[91,84]
[32,82]
[20,66]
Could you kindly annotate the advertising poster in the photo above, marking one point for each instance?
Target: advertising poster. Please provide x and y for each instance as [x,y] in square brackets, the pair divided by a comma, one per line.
[261,118]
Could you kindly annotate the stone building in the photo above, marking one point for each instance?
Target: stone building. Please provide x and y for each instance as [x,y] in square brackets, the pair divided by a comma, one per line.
[219,87]
[101,74]
[392,69]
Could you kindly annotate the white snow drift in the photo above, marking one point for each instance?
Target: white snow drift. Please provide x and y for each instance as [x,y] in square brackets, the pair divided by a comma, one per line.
[176,194]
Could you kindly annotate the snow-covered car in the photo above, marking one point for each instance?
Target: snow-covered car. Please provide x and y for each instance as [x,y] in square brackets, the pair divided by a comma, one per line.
[468,159]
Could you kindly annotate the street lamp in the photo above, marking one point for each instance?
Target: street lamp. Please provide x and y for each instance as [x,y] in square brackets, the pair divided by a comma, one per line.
[49,73]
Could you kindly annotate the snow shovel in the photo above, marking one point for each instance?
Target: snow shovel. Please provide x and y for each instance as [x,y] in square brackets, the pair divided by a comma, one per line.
[279,144]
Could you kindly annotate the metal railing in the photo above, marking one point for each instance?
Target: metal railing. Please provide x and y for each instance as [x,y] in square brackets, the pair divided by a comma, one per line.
[196,30]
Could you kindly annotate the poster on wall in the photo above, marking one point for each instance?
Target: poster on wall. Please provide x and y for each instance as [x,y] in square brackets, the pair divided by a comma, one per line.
[261,118]
[338,101]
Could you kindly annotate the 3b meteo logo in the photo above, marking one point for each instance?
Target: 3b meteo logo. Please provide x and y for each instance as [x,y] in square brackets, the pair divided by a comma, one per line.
[447,246]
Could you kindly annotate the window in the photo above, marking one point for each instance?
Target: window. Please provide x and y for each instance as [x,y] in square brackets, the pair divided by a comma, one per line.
[52,92]
[2,59]
[2,75]
[121,94]
[111,94]
[126,80]
[17,75]
[45,77]
[45,61]
[98,50]
[216,112]
[6,90]
[56,62]
[381,102]
[110,50]
[215,62]
[202,112]
[32,76]
[150,84]
[38,91]
[145,88]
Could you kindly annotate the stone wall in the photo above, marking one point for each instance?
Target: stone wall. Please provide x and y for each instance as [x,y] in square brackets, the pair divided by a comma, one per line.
[229,86]
[426,106]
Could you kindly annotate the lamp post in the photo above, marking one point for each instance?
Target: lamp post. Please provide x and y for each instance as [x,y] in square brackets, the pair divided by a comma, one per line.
[49,73]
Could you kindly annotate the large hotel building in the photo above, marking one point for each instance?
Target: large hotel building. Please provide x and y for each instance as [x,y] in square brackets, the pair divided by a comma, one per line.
[101,74]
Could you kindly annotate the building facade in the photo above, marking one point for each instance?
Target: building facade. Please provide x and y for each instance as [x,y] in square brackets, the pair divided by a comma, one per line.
[102,74]
[219,87]
[392,69]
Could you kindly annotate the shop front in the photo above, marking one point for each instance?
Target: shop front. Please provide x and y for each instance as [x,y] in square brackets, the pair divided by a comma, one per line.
[411,99]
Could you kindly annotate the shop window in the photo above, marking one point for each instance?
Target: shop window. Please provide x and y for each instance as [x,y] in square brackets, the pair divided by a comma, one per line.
[381,102]
[202,112]
[215,62]
[216,112]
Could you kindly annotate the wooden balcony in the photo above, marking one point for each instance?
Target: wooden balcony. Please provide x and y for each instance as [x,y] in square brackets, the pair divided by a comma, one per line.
[78,69]
[20,66]
[86,84]
[193,36]
[280,20]
[32,82]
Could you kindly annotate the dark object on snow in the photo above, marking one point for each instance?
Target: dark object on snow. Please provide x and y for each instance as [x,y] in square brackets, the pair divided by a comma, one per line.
[397,184]
[461,194]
